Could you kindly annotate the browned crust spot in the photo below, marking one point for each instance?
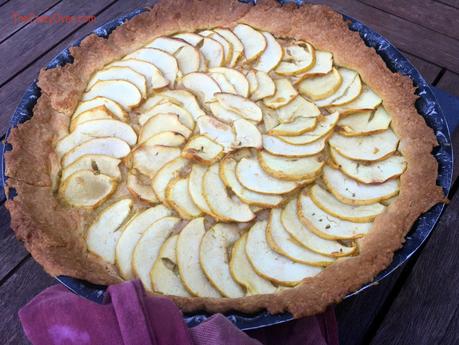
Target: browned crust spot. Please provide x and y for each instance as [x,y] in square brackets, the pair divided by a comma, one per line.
[53,233]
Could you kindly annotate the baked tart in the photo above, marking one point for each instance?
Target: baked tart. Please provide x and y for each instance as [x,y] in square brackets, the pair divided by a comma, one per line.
[231,157]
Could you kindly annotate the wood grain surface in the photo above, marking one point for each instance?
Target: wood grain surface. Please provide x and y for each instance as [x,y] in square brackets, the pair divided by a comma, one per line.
[418,304]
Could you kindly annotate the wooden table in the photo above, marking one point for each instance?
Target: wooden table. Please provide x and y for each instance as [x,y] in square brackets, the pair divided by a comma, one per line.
[418,304]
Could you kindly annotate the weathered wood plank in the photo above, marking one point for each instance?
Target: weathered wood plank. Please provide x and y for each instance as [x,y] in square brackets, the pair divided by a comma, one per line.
[427,13]
[452,3]
[11,92]
[25,283]
[428,70]
[11,250]
[452,332]
[14,15]
[427,303]
[357,315]
[37,38]
[413,38]
[450,83]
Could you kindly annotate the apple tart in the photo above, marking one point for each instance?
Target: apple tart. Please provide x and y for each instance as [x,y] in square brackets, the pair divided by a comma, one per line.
[232,157]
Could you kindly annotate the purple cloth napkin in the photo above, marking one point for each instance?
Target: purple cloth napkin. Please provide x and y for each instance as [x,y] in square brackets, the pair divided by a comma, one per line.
[129,317]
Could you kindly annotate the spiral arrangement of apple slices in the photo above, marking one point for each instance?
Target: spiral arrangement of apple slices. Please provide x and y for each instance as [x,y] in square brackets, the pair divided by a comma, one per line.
[228,162]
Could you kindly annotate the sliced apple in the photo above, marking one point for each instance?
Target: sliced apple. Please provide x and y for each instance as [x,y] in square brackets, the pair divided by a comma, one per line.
[253,177]
[149,159]
[247,134]
[195,187]
[191,38]
[164,276]
[113,147]
[269,264]
[243,272]
[140,187]
[201,85]
[253,81]
[236,78]
[297,59]
[223,82]
[154,100]
[270,118]
[97,129]
[187,250]
[389,201]
[120,73]
[283,243]
[367,148]
[299,107]
[367,100]
[168,172]
[327,226]
[179,198]
[103,234]
[358,214]
[349,78]
[253,41]
[223,114]
[185,99]
[292,169]
[272,55]
[364,122]
[97,113]
[212,50]
[221,204]
[366,172]
[323,65]
[152,74]
[236,43]
[266,86]
[110,104]
[324,127]
[214,258]
[352,92]
[352,192]
[203,150]
[285,93]
[217,131]
[187,56]
[123,92]
[147,248]
[298,126]
[183,115]
[99,164]
[228,175]
[321,86]
[167,138]
[240,105]
[132,233]
[165,62]
[278,147]
[162,123]
[227,46]
[304,235]
[86,188]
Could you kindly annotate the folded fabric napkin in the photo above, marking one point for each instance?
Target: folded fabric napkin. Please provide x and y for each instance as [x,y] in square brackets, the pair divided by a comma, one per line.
[59,317]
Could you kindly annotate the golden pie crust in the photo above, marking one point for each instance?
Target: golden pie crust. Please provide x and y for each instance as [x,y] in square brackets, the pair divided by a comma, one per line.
[53,232]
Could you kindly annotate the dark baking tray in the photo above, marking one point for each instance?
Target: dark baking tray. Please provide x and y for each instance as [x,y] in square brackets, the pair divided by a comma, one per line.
[427,106]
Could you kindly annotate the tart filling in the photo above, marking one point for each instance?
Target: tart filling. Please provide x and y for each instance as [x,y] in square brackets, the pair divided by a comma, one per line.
[212,113]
